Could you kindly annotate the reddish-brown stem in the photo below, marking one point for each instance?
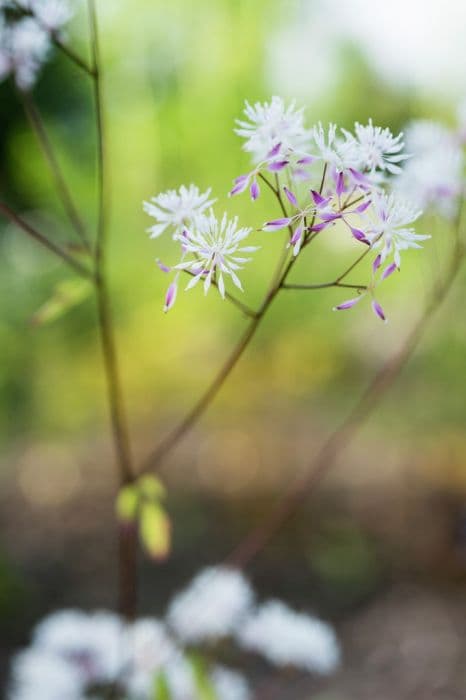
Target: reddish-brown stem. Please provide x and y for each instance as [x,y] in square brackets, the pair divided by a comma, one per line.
[303,486]
[44,241]
[38,127]
[127,538]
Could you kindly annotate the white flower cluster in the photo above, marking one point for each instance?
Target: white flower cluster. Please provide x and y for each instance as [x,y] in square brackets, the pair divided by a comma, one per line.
[26,30]
[76,655]
[323,177]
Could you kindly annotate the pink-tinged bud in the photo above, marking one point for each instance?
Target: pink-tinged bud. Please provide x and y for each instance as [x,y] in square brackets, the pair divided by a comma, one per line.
[254,189]
[296,240]
[277,165]
[162,266]
[319,201]
[388,271]
[330,217]
[291,197]
[359,235]
[241,183]
[377,309]
[377,262]
[296,235]
[362,207]
[170,296]
[347,304]
[276,224]
[359,178]
[274,151]
[340,184]
[320,227]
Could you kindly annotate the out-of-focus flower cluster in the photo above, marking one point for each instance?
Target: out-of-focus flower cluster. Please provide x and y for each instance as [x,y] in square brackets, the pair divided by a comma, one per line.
[322,177]
[27,28]
[76,655]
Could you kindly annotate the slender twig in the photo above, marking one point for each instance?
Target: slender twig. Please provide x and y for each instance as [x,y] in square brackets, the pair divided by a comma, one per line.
[126,537]
[303,486]
[69,53]
[231,298]
[38,127]
[324,285]
[46,242]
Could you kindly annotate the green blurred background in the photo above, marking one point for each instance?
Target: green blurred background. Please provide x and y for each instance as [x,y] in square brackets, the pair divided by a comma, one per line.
[386,531]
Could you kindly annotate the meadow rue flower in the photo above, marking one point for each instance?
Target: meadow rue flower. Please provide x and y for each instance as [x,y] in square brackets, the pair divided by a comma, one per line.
[178,209]
[390,226]
[288,638]
[212,607]
[375,148]
[52,14]
[270,125]
[215,245]
[340,153]
[91,643]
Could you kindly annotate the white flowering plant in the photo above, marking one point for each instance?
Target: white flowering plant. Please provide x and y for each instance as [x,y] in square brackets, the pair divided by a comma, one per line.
[76,655]
[367,183]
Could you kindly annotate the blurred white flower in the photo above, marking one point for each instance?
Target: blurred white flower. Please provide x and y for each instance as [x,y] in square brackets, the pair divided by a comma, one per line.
[38,675]
[177,208]
[149,650]
[52,14]
[24,47]
[272,123]
[213,605]
[93,643]
[229,685]
[434,176]
[288,638]
[215,245]
[390,226]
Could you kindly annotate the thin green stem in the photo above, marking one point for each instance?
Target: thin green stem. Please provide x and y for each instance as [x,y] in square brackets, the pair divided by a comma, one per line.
[44,241]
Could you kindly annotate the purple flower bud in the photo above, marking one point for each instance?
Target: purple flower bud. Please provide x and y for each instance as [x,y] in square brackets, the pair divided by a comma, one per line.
[362,207]
[320,227]
[255,189]
[377,309]
[388,271]
[306,160]
[296,235]
[291,197]
[274,151]
[276,224]
[347,304]
[330,217]
[241,183]
[277,165]
[162,266]
[359,235]
[170,296]
[377,262]
[340,184]
[359,178]
[319,201]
